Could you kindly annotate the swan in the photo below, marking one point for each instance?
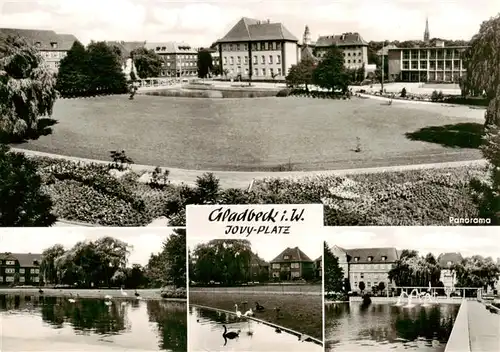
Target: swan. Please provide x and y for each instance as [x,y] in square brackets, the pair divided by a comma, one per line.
[107,297]
[108,303]
[238,313]
[123,292]
[258,307]
[248,313]
[231,334]
[136,294]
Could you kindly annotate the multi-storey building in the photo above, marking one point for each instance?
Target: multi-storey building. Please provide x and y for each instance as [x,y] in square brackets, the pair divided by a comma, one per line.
[368,265]
[427,64]
[258,49]
[259,268]
[52,46]
[353,46]
[20,268]
[179,59]
[448,275]
[291,264]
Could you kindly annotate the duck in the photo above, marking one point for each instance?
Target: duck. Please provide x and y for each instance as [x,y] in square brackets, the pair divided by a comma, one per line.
[136,294]
[277,330]
[238,313]
[258,307]
[71,300]
[231,334]
[249,313]
[40,291]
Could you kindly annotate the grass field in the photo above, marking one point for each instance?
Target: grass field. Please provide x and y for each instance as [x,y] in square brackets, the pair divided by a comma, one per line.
[261,134]
[302,313]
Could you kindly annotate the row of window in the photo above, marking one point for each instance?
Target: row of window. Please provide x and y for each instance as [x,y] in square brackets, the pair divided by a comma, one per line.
[21,279]
[369,283]
[292,265]
[270,60]
[182,63]
[184,57]
[370,258]
[53,45]
[256,72]
[439,53]
[353,61]
[433,65]
[53,54]
[375,276]
[21,270]
[346,53]
[258,46]
[371,266]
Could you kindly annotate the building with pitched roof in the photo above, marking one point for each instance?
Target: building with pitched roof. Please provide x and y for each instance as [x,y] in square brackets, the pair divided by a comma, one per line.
[368,265]
[353,46]
[259,269]
[446,261]
[179,59]
[255,49]
[292,264]
[52,46]
[20,268]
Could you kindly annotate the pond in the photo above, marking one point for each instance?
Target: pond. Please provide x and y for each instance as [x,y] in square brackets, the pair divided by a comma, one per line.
[42,323]
[206,334]
[382,327]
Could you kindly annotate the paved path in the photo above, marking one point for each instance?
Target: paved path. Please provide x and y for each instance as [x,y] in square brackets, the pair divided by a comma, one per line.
[484,328]
[236,179]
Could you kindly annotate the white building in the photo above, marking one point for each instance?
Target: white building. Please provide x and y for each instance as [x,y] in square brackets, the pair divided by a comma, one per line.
[446,261]
[258,49]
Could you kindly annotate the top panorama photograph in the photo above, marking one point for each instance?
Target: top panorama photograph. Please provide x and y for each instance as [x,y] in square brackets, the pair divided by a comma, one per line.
[119,113]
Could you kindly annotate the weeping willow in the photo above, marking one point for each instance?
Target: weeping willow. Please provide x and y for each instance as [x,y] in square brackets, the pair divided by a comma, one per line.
[482,62]
[27,87]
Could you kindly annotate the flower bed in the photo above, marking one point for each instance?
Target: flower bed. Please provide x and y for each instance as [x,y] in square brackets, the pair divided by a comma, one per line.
[91,193]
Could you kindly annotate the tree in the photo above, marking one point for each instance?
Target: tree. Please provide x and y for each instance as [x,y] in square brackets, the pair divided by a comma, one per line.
[22,200]
[175,251]
[47,265]
[205,63]
[331,73]
[361,286]
[333,273]
[224,261]
[476,271]
[413,270]
[73,75]
[301,73]
[27,87]
[483,75]
[106,74]
[147,62]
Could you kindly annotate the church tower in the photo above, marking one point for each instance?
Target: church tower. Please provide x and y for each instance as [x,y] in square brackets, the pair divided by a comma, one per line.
[426,33]
[306,40]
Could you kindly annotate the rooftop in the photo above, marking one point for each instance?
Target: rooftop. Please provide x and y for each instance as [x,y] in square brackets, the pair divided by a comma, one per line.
[126,48]
[45,40]
[291,255]
[451,257]
[345,39]
[249,29]
[171,47]
[376,254]
[25,259]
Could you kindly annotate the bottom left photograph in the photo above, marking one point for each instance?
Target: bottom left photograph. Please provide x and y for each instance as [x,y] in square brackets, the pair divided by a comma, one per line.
[93,289]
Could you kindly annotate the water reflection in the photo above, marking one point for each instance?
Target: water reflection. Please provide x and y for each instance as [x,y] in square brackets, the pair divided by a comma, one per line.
[129,324]
[206,332]
[352,326]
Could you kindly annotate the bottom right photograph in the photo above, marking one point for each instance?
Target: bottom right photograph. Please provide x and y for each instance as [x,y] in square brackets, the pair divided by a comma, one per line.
[412,289]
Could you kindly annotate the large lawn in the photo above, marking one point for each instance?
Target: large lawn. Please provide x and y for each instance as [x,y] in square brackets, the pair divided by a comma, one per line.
[262,133]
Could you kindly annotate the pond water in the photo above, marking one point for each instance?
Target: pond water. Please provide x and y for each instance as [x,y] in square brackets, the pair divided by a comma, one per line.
[206,329]
[40,323]
[383,327]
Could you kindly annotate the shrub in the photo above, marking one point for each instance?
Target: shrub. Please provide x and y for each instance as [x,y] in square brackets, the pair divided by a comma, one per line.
[403,93]
[22,200]
[159,178]
[177,293]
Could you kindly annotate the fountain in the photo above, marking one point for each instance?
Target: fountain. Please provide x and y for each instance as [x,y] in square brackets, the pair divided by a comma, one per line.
[410,298]
[399,303]
[429,300]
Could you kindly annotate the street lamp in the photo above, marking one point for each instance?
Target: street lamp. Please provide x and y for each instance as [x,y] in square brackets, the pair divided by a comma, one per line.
[382,69]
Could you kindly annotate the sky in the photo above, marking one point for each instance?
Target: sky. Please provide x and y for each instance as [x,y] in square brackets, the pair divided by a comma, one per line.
[200,23]
[466,240]
[144,241]
[269,247]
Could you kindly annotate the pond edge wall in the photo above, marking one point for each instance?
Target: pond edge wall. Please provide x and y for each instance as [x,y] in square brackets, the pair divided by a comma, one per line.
[459,340]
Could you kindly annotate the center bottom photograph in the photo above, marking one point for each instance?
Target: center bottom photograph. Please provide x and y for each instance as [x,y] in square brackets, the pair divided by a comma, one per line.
[255,294]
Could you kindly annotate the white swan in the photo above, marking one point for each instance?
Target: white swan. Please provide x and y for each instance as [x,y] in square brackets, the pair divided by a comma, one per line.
[71,300]
[249,313]
[108,303]
[107,297]
[123,292]
[238,313]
